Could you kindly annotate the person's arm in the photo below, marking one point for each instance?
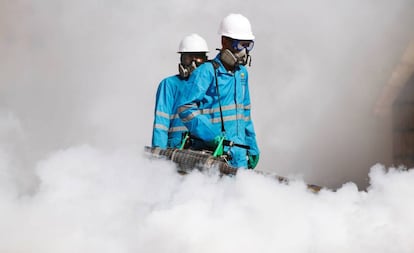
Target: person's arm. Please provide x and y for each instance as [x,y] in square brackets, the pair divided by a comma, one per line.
[162,113]
[191,97]
[250,132]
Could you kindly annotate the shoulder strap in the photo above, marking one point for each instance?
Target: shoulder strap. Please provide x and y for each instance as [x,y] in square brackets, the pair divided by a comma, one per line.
[216,66]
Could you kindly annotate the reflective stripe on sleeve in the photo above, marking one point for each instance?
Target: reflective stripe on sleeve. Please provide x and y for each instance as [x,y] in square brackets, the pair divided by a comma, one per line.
[191,116]
[163,114]
[167,116]
[160,126]
[186,107]
[178,129]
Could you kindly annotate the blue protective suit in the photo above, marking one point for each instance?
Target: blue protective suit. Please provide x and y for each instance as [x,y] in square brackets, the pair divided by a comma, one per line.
[168,128]
[199,108]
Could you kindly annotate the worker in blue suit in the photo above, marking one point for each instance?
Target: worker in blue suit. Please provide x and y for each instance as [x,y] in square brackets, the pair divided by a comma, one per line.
[215,102]
[168,128]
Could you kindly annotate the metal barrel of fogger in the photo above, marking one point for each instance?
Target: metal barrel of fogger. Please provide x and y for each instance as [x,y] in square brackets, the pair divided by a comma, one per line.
[188,160]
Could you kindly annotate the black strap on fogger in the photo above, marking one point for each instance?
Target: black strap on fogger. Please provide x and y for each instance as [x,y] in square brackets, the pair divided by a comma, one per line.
[231,144]
[225,142]
[216,66]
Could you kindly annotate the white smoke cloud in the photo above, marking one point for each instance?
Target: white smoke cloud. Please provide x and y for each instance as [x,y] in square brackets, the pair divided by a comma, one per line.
[94,200]
[77,88]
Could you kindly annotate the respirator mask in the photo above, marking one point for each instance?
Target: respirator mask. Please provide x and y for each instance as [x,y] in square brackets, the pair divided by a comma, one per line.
[189,62]
[241,56]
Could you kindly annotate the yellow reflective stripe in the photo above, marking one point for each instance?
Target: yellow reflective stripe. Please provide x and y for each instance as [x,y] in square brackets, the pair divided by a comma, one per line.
[160,126]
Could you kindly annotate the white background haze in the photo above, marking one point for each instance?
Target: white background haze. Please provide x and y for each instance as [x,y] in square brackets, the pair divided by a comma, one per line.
[77,88]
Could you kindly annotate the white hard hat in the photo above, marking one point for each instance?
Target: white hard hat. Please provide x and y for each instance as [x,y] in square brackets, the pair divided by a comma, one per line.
[236,26]
[192,43]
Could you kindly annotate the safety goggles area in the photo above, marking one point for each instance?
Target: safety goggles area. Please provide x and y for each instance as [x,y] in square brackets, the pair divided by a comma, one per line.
[188,58]
[241,44]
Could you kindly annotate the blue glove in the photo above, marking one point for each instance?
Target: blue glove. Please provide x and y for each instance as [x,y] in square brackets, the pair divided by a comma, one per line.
[253,161]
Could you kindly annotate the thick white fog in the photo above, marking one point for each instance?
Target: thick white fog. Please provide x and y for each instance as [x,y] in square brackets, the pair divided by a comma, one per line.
[77,89]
